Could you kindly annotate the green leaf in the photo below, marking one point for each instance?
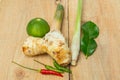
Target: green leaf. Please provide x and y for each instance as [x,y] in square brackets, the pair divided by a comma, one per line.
[88,44]
[91,29]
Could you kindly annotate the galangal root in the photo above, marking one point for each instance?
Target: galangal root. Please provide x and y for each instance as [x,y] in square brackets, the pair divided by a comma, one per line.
[53,43]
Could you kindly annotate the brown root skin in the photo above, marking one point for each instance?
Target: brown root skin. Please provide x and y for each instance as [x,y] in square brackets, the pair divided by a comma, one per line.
[53,42]
[33,46]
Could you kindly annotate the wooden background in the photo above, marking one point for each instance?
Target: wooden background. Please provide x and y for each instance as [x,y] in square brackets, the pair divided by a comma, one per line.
[103,65]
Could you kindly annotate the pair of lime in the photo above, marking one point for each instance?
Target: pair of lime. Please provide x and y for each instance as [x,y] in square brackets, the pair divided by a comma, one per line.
[37,27]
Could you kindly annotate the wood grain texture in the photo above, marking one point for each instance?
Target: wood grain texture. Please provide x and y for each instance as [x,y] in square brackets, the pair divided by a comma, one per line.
[14,16]
[103,65]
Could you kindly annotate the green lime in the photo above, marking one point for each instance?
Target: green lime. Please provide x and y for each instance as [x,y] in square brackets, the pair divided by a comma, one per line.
[37,27]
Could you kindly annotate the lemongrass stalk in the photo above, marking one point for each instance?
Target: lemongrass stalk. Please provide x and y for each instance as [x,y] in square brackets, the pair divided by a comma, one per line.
[75,45]
[58,17]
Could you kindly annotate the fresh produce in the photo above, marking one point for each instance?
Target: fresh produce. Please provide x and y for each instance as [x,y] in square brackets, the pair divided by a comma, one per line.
[75,47]
[90,31]
[49,67]
[61,67]
[42,71]
[37,27]
[53,43]
[33,46]
[47,72]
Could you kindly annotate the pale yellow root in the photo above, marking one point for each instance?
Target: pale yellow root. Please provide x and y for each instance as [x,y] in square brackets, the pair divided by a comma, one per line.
[33,46]
[53,43]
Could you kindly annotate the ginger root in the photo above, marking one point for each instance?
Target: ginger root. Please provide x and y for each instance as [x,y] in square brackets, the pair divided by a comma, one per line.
[53,43]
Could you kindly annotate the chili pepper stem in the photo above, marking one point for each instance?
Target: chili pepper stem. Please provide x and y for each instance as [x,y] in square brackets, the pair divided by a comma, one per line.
[42,71]
[49,67]
[26,67]
[39,62]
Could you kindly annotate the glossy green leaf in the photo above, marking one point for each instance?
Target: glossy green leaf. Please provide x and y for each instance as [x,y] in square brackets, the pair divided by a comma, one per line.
[88,45]
[91,29]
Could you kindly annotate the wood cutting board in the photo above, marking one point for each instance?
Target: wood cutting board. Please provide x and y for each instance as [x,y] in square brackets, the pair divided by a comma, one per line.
[103,65]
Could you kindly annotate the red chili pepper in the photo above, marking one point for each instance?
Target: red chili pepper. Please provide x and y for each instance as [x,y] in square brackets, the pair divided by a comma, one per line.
[42,71]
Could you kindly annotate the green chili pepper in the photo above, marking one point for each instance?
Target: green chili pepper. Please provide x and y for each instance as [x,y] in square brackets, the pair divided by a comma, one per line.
[61,67]
[42,71]
[52,68]
[49,67]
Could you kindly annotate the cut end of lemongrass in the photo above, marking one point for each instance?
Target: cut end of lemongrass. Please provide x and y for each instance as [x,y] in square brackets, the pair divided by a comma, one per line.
[75,46]
[73,63]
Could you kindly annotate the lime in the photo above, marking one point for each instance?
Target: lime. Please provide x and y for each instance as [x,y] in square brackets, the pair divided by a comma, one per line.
[37,27]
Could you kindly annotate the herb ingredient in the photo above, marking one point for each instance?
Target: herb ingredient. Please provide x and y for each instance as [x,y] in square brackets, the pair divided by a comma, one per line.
[42,71]
[53,43]
[75,48]
[90,31]
[48,67]
[61,67]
